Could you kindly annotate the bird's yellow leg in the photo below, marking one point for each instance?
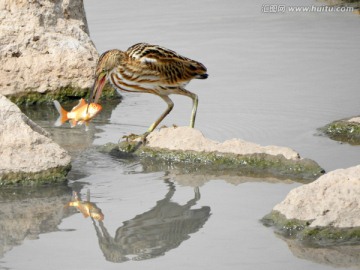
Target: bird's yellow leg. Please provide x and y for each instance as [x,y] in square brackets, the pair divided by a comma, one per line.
[195,100]
[194,109]
[163,115]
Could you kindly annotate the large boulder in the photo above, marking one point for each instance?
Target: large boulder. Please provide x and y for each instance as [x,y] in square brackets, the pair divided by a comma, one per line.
[27,154]
[326,210]
[45,47]
[332,200]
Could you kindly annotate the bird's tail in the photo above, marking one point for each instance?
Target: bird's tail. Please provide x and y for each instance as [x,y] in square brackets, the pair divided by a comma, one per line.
[63,114]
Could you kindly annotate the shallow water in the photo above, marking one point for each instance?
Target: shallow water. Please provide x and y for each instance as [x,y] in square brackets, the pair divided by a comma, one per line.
[274,79]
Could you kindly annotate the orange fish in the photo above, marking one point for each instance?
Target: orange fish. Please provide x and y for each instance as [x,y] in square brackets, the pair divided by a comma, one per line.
[80,114]
[87,208]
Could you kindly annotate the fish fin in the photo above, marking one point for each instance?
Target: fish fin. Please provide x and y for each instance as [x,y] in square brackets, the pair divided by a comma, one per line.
[81,103]
[63,114]
[72,123]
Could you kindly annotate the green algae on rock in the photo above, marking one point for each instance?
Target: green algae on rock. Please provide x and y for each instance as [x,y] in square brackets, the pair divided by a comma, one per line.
[62,94]
[346,130]
[189,149]
[319,235]
[49,176]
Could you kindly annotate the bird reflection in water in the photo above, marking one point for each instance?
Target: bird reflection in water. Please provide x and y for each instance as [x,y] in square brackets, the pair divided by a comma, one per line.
[154,232]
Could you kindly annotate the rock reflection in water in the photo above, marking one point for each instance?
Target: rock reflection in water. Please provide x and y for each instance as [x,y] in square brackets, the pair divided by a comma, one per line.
[155,232]
[27,212]
[184,175]
[346,256]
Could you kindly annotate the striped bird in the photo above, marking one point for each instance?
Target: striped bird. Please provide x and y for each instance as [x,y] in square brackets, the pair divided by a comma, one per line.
[151,69]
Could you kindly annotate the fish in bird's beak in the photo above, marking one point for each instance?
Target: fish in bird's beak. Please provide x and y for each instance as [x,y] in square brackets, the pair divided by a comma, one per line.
[98,87]
[81,113]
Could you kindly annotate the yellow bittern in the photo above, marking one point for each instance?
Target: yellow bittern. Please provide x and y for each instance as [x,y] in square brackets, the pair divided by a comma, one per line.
[151,69]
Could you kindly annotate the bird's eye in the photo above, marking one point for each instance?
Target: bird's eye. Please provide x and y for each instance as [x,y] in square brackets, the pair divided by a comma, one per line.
[103,70]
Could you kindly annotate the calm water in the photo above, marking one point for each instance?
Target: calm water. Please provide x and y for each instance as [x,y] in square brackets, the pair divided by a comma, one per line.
[274,79]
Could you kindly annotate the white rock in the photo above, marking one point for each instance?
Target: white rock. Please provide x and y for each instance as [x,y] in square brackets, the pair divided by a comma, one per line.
[186,138]
[331,200]
[45,45]
[354,119]
[24,146]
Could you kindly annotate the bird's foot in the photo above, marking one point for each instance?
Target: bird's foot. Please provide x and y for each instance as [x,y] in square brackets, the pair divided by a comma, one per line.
[165,126]
[134,137]
[131,137]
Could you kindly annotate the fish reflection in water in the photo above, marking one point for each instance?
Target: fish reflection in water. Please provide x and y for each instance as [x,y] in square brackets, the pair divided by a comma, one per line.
[154,232]
[87,208]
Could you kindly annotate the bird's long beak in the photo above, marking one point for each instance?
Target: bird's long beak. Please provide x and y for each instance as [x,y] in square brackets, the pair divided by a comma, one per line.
[97,88]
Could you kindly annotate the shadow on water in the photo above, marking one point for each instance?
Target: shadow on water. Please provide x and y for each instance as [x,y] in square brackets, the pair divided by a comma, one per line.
[150,234]
[27,213]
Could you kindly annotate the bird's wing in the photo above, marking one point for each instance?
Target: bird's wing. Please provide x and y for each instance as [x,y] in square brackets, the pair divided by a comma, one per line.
[171,66]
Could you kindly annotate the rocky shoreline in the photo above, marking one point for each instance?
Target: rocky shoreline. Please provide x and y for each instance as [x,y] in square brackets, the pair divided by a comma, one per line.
[187,147]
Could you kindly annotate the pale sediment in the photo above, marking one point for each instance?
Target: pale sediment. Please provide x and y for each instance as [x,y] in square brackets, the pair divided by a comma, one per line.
[188,149]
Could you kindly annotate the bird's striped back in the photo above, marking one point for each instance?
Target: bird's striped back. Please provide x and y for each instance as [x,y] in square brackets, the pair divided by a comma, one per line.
[150,68]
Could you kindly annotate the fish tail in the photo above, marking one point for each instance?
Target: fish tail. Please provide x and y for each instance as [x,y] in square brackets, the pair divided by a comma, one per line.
[63,114]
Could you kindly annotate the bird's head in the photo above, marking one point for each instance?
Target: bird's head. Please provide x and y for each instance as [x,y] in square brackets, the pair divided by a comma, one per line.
[107,62]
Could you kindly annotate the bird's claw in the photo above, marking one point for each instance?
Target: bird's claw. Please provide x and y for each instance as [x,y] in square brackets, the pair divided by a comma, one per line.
[165,126]
[132,137]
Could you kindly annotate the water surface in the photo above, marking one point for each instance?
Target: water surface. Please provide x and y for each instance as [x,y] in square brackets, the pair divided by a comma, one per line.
[274,79]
